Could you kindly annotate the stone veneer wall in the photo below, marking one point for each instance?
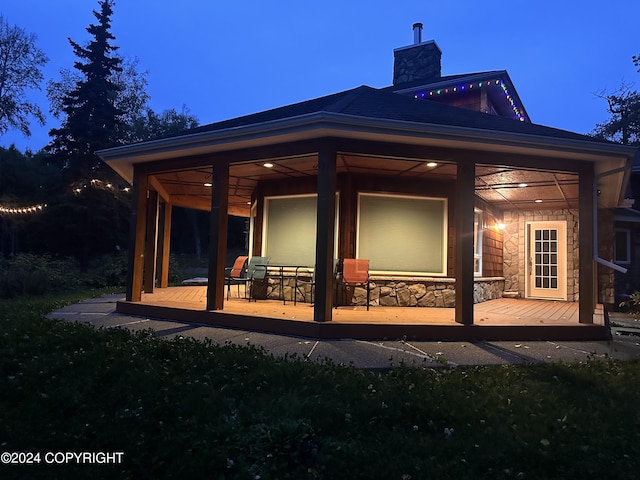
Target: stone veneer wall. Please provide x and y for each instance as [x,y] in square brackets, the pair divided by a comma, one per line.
[410,292]
[514,238]
[417,62]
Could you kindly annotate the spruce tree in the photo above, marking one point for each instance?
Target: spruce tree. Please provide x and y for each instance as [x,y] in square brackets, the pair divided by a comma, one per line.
[93,206]
[92,119]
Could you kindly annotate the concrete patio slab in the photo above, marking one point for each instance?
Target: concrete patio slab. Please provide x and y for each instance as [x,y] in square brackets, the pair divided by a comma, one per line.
[367,354]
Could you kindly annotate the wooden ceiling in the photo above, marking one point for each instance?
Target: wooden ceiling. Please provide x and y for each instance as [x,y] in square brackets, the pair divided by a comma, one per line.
[503,187]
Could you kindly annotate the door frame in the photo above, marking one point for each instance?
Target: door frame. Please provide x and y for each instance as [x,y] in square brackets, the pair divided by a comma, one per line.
[540,293]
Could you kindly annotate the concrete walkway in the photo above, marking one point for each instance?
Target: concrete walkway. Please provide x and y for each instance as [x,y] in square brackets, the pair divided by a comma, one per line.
[100,312]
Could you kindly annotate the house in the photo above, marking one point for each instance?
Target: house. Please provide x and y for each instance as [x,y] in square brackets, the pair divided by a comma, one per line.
[625,238]
[442,182]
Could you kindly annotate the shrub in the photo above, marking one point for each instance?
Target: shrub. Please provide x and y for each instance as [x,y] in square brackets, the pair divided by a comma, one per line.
[107,271]
[632,305]
[28,274]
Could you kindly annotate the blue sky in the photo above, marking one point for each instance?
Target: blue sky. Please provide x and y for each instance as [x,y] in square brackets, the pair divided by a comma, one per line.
[226,59]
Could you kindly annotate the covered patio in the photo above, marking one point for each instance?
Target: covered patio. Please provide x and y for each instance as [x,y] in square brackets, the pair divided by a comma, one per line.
[500,319]
[433,195]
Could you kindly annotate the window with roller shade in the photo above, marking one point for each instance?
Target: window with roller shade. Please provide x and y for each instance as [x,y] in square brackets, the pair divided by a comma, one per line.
[402,234]
[289,231]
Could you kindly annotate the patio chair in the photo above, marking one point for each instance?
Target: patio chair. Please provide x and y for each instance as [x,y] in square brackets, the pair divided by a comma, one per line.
[307,276]
[236,274]
[256,270]
[355,272]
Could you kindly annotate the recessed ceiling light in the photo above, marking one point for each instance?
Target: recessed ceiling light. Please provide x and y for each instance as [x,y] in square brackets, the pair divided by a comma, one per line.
[432,164]
[267,165]
[522,185]
[207,184]
[538,201]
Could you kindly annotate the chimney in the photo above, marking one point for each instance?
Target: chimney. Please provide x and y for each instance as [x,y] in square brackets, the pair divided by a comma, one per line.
[417,62]
[417,33]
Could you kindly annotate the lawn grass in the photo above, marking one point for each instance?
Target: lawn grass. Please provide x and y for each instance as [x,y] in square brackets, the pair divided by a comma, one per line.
[186,409]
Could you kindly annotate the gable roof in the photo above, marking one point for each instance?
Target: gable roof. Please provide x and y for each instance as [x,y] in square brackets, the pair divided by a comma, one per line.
[508,106]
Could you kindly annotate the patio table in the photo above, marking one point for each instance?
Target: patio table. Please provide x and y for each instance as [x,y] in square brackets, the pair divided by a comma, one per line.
[281,271]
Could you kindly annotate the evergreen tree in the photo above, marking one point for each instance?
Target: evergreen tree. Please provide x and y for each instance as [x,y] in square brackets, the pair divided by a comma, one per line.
[92,118]
[93,205]
[132,98]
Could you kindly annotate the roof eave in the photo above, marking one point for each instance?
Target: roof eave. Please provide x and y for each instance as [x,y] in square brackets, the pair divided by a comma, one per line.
[316,124]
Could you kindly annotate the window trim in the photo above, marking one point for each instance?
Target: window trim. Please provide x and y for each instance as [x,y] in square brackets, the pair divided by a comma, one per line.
[627,233]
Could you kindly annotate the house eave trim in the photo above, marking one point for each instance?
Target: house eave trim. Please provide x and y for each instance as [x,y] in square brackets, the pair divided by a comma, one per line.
[355,124]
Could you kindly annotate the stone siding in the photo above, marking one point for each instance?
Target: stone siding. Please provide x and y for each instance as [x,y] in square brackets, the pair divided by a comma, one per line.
[417,62]
[514,248]
[414,292]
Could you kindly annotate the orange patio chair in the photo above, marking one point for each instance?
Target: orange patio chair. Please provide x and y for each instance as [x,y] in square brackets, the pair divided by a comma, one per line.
[236,274]
[355,272]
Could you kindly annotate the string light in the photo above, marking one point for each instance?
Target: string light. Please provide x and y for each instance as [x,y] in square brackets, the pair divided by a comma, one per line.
[94,182]
[6,210]
[516,110]
[21,210]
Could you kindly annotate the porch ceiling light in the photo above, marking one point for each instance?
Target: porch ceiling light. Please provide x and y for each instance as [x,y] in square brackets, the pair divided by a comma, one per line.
[522,185]
[538,201]
[267,165]
[432,164]
[208,184]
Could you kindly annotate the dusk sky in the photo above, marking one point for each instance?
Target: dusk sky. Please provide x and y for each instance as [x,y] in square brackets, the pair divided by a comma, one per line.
[227,59]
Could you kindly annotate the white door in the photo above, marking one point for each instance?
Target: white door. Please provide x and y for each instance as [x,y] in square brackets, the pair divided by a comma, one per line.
[547,260]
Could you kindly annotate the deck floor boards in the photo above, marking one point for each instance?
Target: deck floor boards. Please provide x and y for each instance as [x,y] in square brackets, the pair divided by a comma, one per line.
[503,311]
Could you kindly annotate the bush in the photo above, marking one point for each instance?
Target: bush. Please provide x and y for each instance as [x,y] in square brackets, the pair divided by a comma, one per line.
[28,274]
[111,271]
[632,306]
[107,271]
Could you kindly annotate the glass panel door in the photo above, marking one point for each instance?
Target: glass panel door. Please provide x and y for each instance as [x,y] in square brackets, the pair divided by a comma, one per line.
[547,260]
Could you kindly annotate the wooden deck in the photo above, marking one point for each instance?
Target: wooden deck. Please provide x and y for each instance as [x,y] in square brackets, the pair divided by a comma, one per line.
[502,319]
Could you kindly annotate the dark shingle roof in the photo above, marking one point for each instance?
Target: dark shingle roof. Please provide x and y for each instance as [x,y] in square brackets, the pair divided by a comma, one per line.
[375,103]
